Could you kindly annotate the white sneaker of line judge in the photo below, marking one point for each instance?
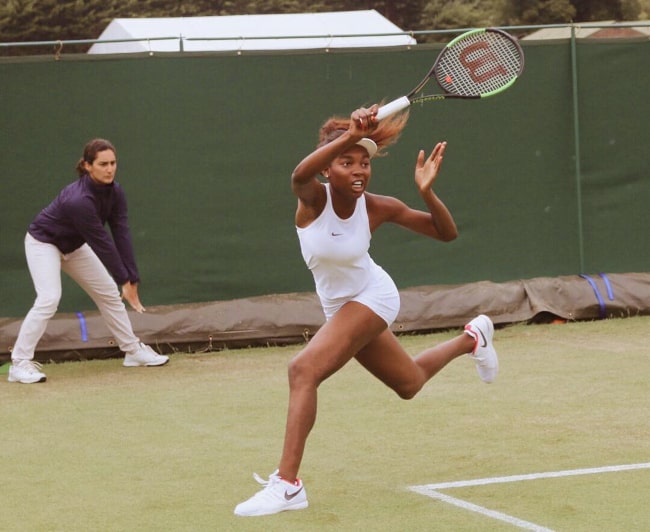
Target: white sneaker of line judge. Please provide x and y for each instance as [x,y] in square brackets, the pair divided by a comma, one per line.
[144,356]
[26,372]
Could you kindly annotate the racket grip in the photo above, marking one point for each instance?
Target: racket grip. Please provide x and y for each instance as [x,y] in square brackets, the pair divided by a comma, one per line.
[392,107]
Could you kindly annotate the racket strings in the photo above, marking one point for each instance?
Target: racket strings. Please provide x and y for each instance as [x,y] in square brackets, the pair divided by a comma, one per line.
[478,65]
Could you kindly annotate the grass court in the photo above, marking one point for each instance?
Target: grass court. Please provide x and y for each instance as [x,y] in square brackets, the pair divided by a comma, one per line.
[559,442]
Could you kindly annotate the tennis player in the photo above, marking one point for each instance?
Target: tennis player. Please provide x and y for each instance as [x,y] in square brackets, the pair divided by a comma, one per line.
[70,235]
[335,220]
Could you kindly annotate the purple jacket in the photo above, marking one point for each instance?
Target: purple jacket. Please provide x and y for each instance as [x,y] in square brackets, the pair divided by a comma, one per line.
[77,216]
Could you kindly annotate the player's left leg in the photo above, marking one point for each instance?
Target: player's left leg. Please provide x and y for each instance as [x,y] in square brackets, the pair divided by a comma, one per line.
[387,360]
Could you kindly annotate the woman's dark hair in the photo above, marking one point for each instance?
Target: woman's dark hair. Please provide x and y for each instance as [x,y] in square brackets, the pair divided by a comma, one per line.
[91,149]
[387,132]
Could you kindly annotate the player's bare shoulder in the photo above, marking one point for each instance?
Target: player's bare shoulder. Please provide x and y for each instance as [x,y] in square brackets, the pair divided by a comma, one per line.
[310,204]
[383,208]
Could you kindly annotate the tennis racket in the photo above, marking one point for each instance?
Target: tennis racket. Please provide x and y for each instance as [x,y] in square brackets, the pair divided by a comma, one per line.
[477,64]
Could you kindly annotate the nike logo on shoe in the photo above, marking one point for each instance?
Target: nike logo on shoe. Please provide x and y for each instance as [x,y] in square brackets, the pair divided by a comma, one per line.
[290,496]
[482,336]
[336,234]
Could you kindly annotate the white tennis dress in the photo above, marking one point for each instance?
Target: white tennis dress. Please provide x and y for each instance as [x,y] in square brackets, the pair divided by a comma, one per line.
[336,252]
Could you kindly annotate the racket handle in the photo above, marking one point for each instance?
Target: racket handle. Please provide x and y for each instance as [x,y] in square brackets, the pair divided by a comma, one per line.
[392,107]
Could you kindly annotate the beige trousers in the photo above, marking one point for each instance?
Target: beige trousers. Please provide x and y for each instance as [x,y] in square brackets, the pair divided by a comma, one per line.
[45,263]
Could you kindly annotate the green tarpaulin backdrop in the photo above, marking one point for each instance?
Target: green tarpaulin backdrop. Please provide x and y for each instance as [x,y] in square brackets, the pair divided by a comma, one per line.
[206,145]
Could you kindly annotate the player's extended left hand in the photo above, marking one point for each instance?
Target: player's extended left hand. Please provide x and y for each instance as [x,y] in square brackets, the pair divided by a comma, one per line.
[426,169]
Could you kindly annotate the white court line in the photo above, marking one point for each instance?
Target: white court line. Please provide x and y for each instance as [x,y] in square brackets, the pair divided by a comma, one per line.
[525,525]
[430,490]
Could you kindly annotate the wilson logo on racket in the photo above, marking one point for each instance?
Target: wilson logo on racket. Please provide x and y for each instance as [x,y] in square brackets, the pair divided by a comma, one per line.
[478,55]
[477,64]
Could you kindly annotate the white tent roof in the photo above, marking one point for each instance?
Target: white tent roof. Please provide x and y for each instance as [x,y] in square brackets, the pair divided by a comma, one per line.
[252,32]
[608,28]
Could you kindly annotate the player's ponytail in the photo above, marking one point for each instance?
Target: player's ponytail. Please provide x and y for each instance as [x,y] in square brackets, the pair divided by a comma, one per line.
[387,132]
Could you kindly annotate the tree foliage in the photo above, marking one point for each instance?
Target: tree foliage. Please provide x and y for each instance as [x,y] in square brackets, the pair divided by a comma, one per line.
[517,12]
[454,14]
[538,11]
[54,20]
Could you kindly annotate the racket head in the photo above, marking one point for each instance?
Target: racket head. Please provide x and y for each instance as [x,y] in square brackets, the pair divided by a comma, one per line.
[479,63]
[476,64]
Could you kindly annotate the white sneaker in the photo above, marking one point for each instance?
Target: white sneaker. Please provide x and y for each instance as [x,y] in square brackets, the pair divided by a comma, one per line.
[278,495]
[26,371]
[144,356]
[481,329]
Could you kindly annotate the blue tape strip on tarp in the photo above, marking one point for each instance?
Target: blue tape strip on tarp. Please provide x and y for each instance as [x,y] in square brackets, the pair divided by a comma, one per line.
[601,301]
[610,292]
[82,326]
